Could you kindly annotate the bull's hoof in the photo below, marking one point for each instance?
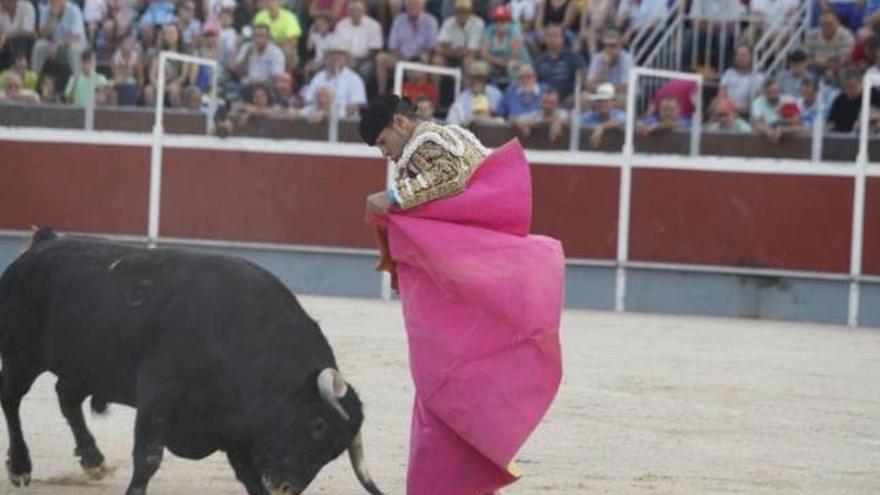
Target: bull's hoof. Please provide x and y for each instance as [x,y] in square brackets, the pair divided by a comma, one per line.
[92,462]
[18,476]
[96,472]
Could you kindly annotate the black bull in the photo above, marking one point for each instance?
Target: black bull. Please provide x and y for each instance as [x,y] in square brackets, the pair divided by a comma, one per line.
[214,352]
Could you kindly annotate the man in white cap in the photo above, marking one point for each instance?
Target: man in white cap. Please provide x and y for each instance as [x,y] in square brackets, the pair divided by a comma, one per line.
[460,37]
[348,87]
[605,114]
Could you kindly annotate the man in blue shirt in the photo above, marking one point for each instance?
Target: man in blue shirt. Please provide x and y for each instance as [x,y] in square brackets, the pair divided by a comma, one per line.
[605,114]
[523,96]
[62,35]
[558,66]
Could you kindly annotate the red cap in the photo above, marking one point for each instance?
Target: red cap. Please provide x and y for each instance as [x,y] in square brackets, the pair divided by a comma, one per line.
[789,109]
[500,13]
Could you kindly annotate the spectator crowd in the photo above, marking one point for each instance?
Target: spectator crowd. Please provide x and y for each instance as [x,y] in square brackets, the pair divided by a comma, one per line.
[522,60]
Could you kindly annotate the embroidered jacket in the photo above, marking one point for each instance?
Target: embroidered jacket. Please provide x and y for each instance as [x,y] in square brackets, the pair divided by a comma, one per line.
[437,162]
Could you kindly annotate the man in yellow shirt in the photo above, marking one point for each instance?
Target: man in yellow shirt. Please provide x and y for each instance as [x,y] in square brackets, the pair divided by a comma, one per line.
[284,29]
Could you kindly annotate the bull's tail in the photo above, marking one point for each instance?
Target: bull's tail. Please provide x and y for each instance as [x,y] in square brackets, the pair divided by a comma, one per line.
[99,405]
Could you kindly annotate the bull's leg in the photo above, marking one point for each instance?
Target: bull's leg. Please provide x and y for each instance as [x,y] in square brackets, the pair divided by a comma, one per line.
[16,381]
[246,472]
[149,445]
[90,458]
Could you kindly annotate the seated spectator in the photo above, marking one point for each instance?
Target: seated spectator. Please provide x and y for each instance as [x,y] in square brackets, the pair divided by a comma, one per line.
[201,76]
[27,77]
[333,10]
[260,60]
[62,35]
[791,79]
[48,89]
[481,111]
[634,16]
[725,118]
[104,44]
[14,92]
[740,83]
[285,97]
[94,14]
[765,111]
[844,113]
[158,14]
[417,85]
[829,45]
[524,13]
[611,65]
[551,115]
[684,92]
[712,20]
[192,99]
[462,110]
[321,107]
[190,27]
[769,17]
[320,37]
[605,114]
[853,13]
[668,119]
[413,37]
[18,28]
[560,12]
[558,66]
[808,102]
[790,122]
[259,105]
[128,71]
[284,29]
[363,36]
[176,73]
[830,90]
[425,109]
[85,82]
[461,36]
[503,46]
[595,18]
[228,36]
[522,96]
[347,86]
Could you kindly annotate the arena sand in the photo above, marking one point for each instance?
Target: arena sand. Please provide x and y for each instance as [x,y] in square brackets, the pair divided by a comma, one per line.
[649,404]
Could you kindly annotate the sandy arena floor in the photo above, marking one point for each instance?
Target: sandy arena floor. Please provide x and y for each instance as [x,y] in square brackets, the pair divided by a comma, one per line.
[649,404]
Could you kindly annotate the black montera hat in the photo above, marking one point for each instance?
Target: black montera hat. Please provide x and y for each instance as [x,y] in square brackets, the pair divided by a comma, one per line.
[378,114]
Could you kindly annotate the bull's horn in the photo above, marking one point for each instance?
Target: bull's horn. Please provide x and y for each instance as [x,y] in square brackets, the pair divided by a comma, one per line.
[332,387]
[356,454]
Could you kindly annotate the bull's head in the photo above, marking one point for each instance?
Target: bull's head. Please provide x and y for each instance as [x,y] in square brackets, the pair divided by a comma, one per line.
[319,433]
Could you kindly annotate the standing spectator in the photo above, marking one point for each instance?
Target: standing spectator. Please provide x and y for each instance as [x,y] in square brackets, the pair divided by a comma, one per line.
[845,110]
[18,21]
[634,16]
[417,85]
[27,77]
[348,87]
[461,112]
[550,114]
[790,80]
[260,60]
[830,44]
[128,71]
[605,115]
[363,36]
[176,73]
[725,118]
[668,119]
[560,12]
[413,37]
[320,38]
[461,36]
[13,92]
[558,66]
[765,111]
[523,96]
[503,46]
[190,27]
[715,18]
[611,65]
[284,29]
[85,82]
[740,83]
[62,35]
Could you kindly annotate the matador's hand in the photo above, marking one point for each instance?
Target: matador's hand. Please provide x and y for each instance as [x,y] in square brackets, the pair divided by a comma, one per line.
[378,203]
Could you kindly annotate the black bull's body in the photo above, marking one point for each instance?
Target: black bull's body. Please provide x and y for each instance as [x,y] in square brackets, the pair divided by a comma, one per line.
[214,352]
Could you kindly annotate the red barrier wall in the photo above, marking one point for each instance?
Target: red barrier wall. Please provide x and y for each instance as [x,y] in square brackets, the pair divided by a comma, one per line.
[89,188]
[756,220]
[871,258]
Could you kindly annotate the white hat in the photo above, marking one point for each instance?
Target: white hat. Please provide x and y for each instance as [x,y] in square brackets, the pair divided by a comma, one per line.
[605,91]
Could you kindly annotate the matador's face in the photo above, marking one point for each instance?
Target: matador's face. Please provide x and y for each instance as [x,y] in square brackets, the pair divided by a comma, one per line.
[394,137]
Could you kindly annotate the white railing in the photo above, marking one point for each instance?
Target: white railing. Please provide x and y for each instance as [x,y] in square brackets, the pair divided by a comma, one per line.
[783,35]
[158,133]
[659,45]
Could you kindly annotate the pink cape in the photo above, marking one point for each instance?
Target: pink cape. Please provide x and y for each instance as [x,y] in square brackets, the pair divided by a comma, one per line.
[482,301]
